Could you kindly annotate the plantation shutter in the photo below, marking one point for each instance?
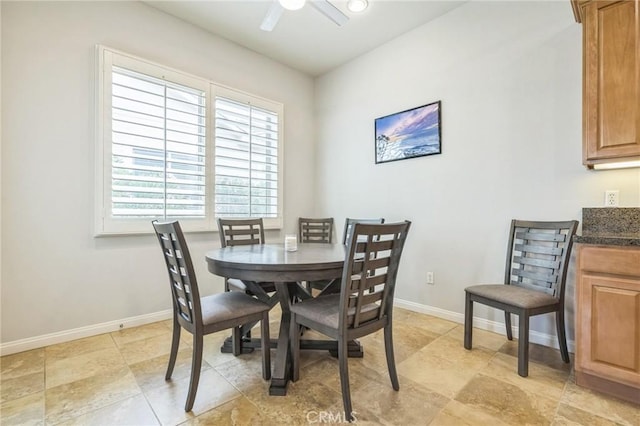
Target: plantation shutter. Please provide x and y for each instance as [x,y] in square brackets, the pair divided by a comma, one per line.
[157,148]
[246,159]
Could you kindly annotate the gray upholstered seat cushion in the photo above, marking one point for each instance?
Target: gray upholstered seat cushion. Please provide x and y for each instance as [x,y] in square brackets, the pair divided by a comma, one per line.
[229,305]
[513,295]
[325,310]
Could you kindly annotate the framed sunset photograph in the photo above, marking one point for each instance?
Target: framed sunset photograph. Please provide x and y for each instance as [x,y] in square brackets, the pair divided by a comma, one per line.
[413,133]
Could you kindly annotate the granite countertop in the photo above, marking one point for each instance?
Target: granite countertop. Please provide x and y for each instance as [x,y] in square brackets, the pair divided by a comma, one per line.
[610,226]
[609,239]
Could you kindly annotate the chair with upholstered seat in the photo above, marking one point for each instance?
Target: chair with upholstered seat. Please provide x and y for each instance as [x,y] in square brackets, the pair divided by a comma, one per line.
[315,230]
[204,315]
[373,256]
[534,283]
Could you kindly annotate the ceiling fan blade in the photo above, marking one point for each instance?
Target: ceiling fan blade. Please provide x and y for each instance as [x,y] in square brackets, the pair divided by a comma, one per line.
[330,11]
[272,17]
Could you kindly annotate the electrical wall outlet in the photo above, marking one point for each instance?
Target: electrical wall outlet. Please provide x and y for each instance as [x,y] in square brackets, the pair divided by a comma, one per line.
[611,198]
[430,278]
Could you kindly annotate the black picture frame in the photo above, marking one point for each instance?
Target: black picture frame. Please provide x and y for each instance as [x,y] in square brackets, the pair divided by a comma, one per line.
[413,133]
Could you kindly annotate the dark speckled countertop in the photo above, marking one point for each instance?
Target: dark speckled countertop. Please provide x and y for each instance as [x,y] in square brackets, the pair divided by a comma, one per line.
[619,226]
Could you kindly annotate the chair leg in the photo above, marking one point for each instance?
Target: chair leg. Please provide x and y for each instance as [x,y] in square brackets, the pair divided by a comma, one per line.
[391,361]
[344,377]
[175,343]
[507,324]
[236,341]
[523,345]
[196,365]
[294,333]
[468,321]
[562,337]
[265,343]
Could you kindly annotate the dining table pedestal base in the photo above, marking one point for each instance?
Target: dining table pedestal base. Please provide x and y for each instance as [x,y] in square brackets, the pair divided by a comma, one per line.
[278,385]
[256,265]
[248,345]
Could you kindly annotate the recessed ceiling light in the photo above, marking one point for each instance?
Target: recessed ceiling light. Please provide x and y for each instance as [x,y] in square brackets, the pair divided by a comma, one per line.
[292,4]
[357,5]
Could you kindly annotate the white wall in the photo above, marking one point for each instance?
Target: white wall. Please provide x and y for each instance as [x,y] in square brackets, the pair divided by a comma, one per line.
[55,275]
[0,156]
[509,78]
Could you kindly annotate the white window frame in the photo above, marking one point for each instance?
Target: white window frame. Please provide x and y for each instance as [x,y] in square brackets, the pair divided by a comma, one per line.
[104,224]
[245,98]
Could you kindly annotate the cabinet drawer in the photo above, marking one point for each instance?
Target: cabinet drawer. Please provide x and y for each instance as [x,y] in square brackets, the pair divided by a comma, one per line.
[610,260]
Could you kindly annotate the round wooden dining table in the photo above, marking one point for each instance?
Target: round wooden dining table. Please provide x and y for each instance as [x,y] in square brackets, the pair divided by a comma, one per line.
[271,263]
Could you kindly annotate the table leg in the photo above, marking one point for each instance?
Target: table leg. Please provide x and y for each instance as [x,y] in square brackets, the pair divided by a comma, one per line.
[282,369]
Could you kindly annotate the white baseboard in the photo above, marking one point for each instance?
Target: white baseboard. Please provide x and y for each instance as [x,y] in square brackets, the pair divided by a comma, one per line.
[81,332]
[550,340]
[107,327]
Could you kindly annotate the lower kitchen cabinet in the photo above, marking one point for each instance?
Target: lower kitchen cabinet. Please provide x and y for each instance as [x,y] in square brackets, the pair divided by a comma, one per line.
[608,320]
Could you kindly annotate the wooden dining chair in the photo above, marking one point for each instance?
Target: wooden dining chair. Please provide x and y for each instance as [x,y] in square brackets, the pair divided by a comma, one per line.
[237,232]
[534,283]
[373,257]
[312,230]
[204,315]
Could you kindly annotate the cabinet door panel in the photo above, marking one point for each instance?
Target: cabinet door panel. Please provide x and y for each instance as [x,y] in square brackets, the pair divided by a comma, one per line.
[616,345]
[611,84]
[617,62]
[610,328]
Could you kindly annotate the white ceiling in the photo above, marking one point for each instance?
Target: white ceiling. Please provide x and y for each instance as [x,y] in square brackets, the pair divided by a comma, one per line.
[305,39]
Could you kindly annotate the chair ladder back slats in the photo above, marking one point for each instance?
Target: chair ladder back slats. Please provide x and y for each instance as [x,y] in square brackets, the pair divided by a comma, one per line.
[376,245]
[551,278]
[543,263]
[366,283]
[538,249]
[375,280]
[176,276]
[369,298]
[354,297]
[531,235]
[538,255]
[370,270]
[239,232]
[378,263]
[184,288]
[315,230]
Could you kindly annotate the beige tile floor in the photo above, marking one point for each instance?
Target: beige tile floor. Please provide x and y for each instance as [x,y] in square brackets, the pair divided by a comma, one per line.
[118,379]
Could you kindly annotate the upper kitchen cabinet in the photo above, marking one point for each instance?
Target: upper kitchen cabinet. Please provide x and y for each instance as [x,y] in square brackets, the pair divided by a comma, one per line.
[611,81]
